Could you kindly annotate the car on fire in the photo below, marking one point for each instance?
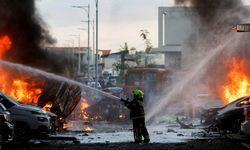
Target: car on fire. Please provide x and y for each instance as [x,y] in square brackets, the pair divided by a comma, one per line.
[6,126]
[29,121]
[227,118]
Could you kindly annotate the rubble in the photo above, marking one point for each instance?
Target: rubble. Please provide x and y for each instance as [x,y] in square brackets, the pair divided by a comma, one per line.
[184,126]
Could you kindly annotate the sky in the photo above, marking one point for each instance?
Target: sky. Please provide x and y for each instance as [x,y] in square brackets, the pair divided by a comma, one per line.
[120,21]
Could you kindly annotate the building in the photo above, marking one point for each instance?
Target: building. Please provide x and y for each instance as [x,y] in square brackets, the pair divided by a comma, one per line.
[77,56]
[131,59]
[175,27]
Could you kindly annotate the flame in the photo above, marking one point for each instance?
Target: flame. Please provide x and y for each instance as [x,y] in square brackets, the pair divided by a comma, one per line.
[23,93]
[84,115]
[97,117]
[16,86]
[21,90]
[238,85]
[84,106]
[88,129]
[48,106]
[5,44]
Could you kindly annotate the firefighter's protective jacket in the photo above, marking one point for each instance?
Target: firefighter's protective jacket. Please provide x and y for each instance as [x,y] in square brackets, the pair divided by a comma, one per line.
[136,108]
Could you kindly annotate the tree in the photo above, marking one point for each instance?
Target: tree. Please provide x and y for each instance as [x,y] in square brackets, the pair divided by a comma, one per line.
[121,65]
[124,52]
[145,34]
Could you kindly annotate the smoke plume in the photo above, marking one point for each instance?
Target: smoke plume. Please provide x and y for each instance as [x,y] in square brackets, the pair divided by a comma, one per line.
[208,52]
[28,33]
[217,18]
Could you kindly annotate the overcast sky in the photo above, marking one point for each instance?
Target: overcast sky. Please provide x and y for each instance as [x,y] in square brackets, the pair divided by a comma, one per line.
[119,21]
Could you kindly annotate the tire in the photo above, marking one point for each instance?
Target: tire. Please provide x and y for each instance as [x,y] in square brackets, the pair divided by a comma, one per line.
[21,133]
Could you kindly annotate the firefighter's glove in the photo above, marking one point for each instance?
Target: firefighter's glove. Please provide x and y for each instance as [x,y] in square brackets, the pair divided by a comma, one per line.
[123,100]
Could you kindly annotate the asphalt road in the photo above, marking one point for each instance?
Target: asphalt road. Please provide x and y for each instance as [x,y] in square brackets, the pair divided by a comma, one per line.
[217,144]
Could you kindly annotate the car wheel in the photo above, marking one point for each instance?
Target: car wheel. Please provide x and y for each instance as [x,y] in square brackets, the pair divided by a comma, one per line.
[21,133]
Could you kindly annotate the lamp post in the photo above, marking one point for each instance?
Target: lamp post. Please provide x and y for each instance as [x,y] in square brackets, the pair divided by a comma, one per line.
[96,57]
[93,42]
[87,11]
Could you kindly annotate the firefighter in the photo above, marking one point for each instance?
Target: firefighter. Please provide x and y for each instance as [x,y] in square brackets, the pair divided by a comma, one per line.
[137,115]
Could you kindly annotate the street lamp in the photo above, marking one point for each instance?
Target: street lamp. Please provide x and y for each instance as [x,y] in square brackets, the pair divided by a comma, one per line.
[93,40]
[96,57]
[87,11]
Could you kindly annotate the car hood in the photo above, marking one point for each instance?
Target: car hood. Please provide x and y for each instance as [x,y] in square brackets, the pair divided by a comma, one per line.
[28,107]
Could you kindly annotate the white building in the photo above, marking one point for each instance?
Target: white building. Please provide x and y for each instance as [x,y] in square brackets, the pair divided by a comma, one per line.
[175,26]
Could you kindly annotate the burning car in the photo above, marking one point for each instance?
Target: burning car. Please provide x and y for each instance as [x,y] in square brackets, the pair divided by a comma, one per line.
[227,118]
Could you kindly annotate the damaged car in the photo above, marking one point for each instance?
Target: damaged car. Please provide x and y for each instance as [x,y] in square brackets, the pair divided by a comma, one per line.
[227,118]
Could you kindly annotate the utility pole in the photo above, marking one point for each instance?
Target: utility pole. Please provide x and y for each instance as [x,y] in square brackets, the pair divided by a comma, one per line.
[93,53]
[96,57]
[88,57]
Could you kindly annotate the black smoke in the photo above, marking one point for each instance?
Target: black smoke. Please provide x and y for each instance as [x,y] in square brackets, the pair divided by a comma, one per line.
[216,16]
[20,20]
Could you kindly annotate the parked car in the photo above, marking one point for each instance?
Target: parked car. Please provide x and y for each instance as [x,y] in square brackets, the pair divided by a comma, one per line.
[6,126]
[29,121]
[93,84]
[229,117]
[116,91]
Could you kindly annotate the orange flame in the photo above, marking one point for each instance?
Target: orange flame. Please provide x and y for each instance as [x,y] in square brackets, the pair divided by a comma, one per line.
[88,129]
[238,84]
[17,86]
[84,104]
[48,106]
[5,44]
[22,91]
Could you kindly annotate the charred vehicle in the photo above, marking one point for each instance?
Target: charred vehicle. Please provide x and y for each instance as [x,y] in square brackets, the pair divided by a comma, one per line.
[227,118]
[61,99]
